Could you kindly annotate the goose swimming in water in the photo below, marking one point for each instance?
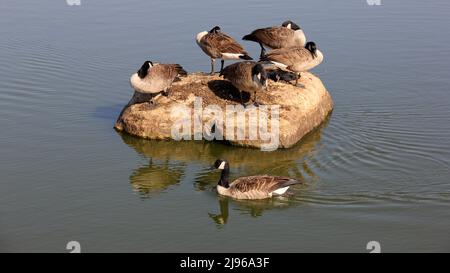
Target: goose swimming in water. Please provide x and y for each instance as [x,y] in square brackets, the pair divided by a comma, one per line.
[218,45]
[294,59]
[288,34]
[246,76]
[251,187]
[154,78]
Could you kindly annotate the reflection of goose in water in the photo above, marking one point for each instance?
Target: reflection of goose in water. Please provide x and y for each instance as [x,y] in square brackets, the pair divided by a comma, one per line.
[253,208]
[155,177]
[222,218]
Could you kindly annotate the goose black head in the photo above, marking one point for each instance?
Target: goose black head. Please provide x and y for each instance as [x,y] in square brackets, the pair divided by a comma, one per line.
[311,46]
[143,71]
[220,164]
[223,165]
[215,29]
[291,25]
[259,74]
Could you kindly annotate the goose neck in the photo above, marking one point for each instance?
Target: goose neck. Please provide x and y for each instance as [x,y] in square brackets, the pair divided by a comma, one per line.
[224,177]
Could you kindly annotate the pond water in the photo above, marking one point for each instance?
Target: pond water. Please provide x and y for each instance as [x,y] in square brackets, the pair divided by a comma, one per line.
[377,169]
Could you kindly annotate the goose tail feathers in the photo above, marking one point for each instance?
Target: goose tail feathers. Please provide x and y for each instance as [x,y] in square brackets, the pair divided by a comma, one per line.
[289,182]
[245,57]
[181,71]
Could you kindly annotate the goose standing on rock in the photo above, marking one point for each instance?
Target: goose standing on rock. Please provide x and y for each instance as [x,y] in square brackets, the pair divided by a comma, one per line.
[251,187]
[288,34]
[246,76]
[294,59]
[154,78]
[218,45]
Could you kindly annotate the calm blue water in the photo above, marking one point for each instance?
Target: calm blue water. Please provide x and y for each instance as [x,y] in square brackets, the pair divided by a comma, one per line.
[378,169]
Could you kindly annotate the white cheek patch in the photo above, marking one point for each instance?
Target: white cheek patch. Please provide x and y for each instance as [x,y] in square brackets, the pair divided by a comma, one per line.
[289,26]
[259,76]
[222,165]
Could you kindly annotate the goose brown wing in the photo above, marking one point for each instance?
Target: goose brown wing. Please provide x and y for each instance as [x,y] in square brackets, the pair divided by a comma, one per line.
[226,44]
[290,56]
[177,69]
[161,76]
[239,74]
[262,183]
[237,70]
[274,37]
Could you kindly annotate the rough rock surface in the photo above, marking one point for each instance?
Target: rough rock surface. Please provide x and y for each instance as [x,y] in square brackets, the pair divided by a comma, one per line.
[301,109]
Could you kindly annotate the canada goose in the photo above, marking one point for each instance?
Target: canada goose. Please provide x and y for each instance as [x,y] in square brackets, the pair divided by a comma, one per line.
[288,34]
[246,76]
[251,187]
[153,78]
[218,45]
[294,59]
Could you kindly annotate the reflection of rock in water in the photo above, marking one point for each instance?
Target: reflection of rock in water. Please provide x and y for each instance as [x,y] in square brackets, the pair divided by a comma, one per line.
[298,162]
[154,178]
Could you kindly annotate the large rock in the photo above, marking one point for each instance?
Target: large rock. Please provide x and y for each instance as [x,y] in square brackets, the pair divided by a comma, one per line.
[301,109]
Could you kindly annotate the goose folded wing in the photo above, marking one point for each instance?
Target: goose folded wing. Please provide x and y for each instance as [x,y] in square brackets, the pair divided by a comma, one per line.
[262,183]
[226,44]
[273,36]
[161,76]
[289,56]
